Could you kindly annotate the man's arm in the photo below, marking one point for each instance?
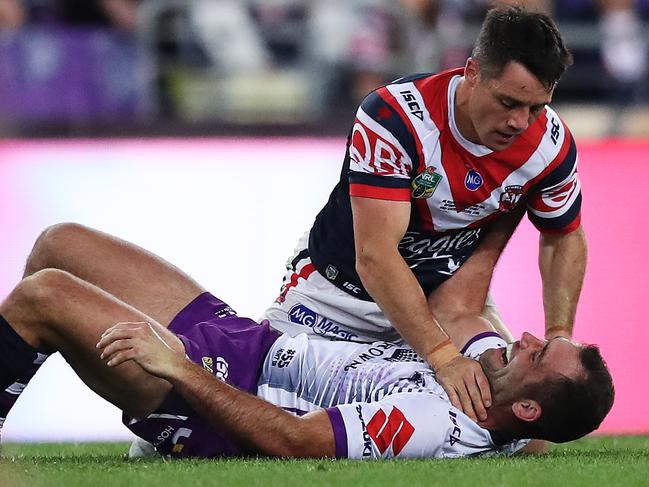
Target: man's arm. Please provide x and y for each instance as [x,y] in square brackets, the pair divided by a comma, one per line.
[562,261]
[251,421]
[458,300]
[379,226]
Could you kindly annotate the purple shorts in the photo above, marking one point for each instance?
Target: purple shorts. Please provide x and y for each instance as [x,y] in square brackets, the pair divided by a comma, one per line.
[230,347]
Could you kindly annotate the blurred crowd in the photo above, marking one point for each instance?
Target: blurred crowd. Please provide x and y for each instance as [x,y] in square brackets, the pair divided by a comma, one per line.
[338,49]
[120,14]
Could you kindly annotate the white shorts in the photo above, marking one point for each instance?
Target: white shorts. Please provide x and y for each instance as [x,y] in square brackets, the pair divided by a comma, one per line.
[309,303]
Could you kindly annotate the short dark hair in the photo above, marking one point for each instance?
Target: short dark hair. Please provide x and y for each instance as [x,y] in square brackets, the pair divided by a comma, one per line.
[530,38]
[572,408]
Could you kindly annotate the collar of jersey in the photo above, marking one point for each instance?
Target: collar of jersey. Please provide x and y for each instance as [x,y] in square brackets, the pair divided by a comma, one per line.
[476,150]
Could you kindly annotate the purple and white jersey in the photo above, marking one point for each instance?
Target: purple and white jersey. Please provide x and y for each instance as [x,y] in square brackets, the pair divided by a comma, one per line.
[382,399]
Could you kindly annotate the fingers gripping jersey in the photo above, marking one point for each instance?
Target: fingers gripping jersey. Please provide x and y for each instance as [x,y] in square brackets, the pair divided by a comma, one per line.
[405,146]
[382,400]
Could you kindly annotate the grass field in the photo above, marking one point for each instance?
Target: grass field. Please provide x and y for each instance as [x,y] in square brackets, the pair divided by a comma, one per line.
[591,462]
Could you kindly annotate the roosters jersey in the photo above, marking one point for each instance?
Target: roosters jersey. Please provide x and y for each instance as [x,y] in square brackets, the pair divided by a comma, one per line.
[405,146]
[382,399]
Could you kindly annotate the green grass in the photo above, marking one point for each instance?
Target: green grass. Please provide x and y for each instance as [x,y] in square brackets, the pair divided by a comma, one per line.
[591,462]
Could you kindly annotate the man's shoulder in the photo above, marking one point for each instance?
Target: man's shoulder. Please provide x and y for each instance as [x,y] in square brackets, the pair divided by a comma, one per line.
[409,108]
[438,429]
[424,83]
[551,128]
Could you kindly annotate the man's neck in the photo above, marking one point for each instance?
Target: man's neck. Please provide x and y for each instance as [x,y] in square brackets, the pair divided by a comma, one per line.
[501,425]
[500,438]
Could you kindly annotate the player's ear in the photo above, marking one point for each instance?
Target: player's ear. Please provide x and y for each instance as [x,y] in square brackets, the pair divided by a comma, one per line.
[472,72]
[527,410]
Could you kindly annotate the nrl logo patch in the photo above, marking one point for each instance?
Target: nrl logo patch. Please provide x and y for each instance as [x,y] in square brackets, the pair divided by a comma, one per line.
[425,184]
[331,272]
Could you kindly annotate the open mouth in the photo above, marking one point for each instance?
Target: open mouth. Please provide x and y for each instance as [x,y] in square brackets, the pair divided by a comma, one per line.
[506,354]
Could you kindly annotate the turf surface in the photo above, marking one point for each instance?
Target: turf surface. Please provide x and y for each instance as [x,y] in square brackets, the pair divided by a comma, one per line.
[591,462]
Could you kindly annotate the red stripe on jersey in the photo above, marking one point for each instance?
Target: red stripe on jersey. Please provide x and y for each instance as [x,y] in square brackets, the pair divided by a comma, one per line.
[392,101]
[494,168]
[305,272]
[558,197]
[422,206]
[434,91]
[525,144]
[555,162]
[426,218]
[378,193]
[372,152]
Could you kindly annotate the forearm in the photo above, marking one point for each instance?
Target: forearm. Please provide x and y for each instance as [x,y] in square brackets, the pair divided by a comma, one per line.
[462,297]
[466,291]
[562,261]
[395,289]
[252,422]
[379,226]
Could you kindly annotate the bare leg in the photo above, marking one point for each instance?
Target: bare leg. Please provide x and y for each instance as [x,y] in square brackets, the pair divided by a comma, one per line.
[128,272]
[55,311]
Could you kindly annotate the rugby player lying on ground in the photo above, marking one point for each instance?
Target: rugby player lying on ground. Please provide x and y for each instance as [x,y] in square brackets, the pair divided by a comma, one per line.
[352,400]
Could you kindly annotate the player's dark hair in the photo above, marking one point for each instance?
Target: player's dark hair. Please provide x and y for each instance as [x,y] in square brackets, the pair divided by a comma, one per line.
[572,408]
[530,38]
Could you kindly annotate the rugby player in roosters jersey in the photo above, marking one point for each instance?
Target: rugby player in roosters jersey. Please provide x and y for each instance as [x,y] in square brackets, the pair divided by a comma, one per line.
[436,164]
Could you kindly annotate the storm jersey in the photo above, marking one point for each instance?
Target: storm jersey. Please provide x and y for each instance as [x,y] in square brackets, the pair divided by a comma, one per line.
[405,146]
[382,399]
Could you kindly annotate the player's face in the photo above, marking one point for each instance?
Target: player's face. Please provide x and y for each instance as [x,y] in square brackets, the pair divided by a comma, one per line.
[529,360]
[503,107]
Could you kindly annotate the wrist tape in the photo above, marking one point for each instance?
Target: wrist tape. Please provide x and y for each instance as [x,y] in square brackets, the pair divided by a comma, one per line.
[442,354]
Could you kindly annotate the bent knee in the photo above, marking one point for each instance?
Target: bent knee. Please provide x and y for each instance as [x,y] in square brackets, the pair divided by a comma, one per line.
[60,233]
[44,287]
[33,302]
[51,244]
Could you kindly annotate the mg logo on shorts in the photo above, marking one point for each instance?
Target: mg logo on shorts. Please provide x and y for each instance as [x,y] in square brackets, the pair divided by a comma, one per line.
[302,315]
